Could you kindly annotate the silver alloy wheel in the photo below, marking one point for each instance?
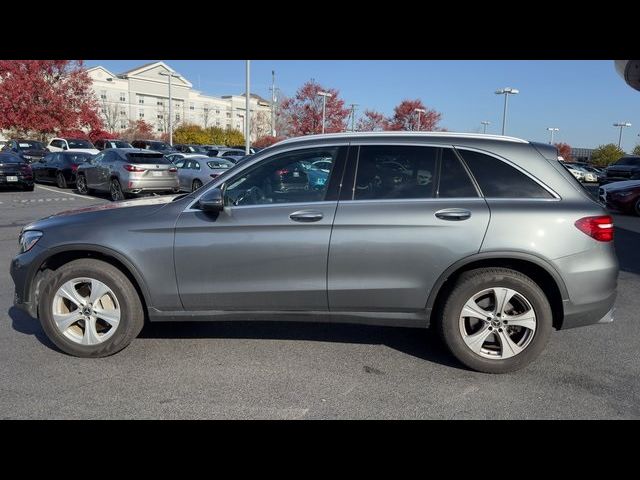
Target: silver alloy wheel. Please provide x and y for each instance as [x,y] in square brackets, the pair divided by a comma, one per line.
[497,323]
[86,311]
[81,184]
[116,191]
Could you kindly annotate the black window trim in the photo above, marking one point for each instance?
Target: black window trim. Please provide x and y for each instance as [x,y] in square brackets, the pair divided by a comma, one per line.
[555,196]
[333,189]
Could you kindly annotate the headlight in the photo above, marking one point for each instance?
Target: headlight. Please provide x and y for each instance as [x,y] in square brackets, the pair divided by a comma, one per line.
[28,239]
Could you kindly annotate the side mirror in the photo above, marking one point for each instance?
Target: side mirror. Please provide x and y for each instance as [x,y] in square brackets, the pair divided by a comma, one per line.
[212,201]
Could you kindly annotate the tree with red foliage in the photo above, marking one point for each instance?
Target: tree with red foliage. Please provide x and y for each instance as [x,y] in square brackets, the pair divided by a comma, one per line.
[304,111]
[564,150]
[266,141]
[100,134]
[45,97]
[406,118]
[372,121]
[138,130]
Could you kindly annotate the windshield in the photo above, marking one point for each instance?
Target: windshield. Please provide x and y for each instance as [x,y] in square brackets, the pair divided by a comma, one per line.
[119,144]
[74,143]
[30,145]
[148,158]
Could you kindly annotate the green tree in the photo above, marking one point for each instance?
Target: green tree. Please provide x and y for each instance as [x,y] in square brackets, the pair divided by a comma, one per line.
[233,137]
[605,155]
[191,133]
[215,136]
[636,150]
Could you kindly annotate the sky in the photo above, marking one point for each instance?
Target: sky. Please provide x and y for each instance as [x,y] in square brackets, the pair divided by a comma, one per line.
[583,98]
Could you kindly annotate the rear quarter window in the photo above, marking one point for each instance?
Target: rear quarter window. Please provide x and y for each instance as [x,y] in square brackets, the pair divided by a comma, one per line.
[498,179]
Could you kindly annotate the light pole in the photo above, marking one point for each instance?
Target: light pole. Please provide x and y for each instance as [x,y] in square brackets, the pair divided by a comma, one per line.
[621,125]
[353,116]
[273,103]
[324,96]
[419,110]
[170,75]
[506,92]
[247,121]
[552,130]
[484,124]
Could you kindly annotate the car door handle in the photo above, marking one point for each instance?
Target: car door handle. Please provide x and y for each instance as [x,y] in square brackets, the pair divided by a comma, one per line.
[455,214]
[306,216]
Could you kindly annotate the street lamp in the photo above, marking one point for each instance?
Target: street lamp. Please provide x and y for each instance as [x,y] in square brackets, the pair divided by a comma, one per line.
[552,130]
[621,125]
[324,96]
[419,110]
[247,123]
[484,124]
[506,92]
[170,75]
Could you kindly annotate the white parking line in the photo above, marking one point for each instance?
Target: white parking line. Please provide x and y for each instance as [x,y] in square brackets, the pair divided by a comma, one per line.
[86,197]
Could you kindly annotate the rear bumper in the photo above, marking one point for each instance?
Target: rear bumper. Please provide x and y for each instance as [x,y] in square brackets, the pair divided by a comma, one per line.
[588,314]
[147,185]
[23,181]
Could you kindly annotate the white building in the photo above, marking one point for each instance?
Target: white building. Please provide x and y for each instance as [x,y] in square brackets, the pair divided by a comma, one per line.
[143,94]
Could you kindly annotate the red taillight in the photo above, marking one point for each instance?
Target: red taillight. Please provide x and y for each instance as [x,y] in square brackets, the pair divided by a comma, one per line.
[74,167]
[600,228]
[133,168]
[214,175]
[173,169]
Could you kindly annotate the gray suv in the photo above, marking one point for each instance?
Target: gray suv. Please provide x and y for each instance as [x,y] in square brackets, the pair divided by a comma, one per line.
[123,172]
[488,239]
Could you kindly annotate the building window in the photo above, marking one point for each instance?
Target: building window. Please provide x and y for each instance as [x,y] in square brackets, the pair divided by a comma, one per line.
[217,111]
[103,94]
[160,117]
[228,115]
[177,117]
[123,113]
[192,106]
[123,125]
[141,114]
[206,108]
[160,103]
[217,123]
[140,99]
[123,98]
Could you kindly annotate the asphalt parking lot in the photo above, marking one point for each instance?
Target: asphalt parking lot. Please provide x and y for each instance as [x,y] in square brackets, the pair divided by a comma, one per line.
[308,371]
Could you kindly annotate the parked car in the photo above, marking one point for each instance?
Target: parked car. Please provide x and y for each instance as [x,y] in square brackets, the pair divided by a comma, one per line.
[495,248]
[626,168]
[29,150]
[623,196]
[226,152]
[576,172]
[111,143]
[191,148]
[252,150]
[197,170]
[77,144]
[587,175]
[155,145]
[125,172]
[15,172]
[60,168]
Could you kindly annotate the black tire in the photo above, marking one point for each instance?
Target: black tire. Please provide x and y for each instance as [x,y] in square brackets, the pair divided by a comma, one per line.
[61,182]
[81,185]
[28,188]
[636,209]
[132,313]
[115,190]
[475,281]
[196,185]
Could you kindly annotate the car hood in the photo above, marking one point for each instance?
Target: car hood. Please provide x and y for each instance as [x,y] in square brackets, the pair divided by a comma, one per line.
[105,212]
[612,187]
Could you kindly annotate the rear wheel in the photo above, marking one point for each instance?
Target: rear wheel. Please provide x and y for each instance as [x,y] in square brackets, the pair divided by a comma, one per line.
[61,182]
[496,320]
[89,308]
[115,190]
[196,185]
[636,209]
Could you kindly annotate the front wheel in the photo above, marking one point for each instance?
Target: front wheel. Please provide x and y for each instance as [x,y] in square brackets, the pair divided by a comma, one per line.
[196,185]
[81,185]
[496,320]
[89,308]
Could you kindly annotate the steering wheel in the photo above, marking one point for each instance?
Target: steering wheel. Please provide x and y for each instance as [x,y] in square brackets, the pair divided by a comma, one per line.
[253,193]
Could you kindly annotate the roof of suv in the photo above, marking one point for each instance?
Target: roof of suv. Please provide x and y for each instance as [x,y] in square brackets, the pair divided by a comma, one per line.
[403,134]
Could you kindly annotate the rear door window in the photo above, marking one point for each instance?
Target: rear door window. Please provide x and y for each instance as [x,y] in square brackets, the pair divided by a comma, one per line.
[454,179]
